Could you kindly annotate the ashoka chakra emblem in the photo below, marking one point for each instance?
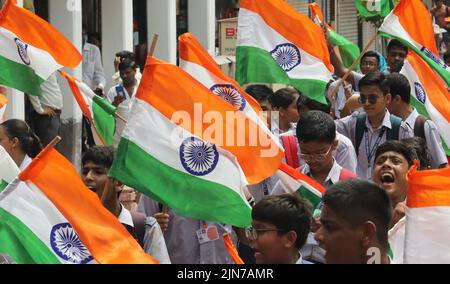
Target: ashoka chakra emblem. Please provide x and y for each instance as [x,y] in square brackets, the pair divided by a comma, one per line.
[421,95]
[230,94]
[198,157]
[67,245]
[287,56]
[23,53]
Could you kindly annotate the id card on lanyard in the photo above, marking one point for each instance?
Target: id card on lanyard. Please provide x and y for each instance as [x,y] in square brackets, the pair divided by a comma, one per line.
[207,233]
[120,90]
[370,151]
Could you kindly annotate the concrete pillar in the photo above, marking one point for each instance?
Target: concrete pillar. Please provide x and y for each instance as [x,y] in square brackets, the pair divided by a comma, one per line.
[16,99]
[162,20]
[202,23]
[117,33]
[66,16]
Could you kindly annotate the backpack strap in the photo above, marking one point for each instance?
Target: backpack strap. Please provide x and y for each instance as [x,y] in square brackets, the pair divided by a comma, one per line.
[291,150]
[346,175]
[359,131]
[394,133]
[419,126]
[139,226]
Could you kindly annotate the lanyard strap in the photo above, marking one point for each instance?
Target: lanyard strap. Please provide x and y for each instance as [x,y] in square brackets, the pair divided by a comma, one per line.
[370,152]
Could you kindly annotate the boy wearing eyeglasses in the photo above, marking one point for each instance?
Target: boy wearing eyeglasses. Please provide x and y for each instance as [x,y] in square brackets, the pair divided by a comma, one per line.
[280,228]
[316,133]
[369,129]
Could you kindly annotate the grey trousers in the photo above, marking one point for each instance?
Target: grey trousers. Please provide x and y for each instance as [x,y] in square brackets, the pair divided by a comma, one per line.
[45,127]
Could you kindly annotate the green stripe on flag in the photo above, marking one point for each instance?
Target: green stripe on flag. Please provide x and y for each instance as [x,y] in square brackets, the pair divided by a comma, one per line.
[20,77]
[348,50]
[104,121]
[210,201]
[307,194]
[423,111]
[3,185]
[21,244]
[370,8]
[255,65]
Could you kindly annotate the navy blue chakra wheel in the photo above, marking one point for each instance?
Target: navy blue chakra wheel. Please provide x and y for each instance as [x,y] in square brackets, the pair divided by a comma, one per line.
[287,56]
[23,52]
[67,245]
[230,94]
[421,95]
[198,158]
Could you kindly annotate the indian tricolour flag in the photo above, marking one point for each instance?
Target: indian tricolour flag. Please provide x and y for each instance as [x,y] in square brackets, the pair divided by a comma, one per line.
[8,169]
[3,104]
[347,49]
[427,228]
[98,110]
[429,93]
[411,23]
[276,44]
[292,181]
[48,216]
[31,49]
[196,61]
[188,152]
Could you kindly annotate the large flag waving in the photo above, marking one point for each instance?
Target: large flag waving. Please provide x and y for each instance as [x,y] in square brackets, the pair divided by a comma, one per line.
[3,104]
[427,223]
[196,61]
[48,216]
[411,23]
[8,169]
[348,50]
[31,49]
[292,181]
[98,110]
[191,168]
[276,44]
[429,94]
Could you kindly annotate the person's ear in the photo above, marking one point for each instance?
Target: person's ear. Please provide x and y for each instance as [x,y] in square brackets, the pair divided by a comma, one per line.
[291,238]
[15,143]
[368,234]
[335,145]
[388,98]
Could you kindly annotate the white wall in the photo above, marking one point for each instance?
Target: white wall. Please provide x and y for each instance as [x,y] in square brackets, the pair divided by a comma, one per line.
[202,23]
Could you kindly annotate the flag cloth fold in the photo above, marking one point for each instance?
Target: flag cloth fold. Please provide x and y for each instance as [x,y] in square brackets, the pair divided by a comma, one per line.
[232,250]
[411,23]
[293,181]
[429,94]
[427,223]
[48,215]
[31,49]
[98,110]
[276,44]
[348,50]
[8,169]
[3,105]
[196,61]
[196,149]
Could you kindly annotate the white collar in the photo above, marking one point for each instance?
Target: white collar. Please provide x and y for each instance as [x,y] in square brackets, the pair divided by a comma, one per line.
[300,260]
[411,120]
[26,161]
[334,175]
[125,217]
[386,121]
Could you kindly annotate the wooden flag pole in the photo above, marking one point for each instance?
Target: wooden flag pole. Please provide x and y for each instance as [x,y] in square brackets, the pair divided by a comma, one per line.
[350,70]
[154,43]
[54,142]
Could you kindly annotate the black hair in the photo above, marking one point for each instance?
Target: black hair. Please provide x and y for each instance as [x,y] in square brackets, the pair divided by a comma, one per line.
[127,63]
[283,97]
[395,43]
[399,85]
[304,101]
[287,212]
[29,141]
[260,93]
[100,155]
[375,79]
[125,54]
[397,147]
[358,201]
[418,146]
[93,35]
[316,126]
[371,53]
